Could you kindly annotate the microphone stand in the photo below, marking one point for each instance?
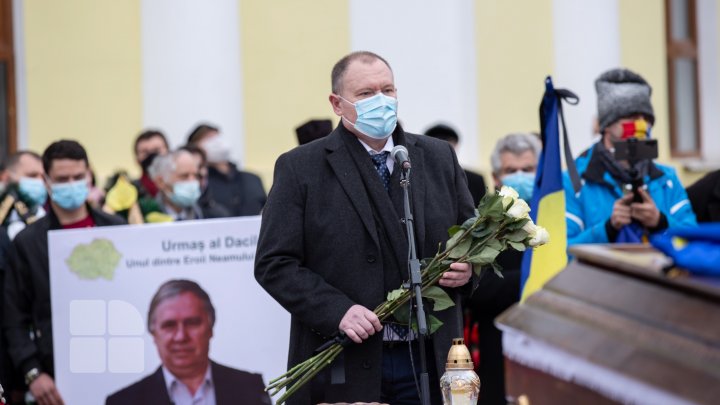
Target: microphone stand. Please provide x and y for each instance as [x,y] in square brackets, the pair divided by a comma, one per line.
[416,287]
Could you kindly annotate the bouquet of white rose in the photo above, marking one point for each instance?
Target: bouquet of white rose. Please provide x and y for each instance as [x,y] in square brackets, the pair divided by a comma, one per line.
[501,220]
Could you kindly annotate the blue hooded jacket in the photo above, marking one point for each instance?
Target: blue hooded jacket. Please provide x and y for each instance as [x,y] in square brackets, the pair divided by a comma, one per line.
[587,211]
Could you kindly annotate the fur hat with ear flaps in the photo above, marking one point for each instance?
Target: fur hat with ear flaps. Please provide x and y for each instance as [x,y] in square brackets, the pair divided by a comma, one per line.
[622,93]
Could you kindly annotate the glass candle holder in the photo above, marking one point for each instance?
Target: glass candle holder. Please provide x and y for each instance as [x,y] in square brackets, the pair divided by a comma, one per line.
[460,384]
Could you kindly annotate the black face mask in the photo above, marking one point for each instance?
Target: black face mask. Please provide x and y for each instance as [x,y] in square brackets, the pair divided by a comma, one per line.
[145,164]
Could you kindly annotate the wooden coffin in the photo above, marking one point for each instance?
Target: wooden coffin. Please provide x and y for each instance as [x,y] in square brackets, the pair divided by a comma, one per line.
[616,327]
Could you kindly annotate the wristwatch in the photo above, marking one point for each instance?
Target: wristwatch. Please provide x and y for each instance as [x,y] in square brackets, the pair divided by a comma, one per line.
[31,376]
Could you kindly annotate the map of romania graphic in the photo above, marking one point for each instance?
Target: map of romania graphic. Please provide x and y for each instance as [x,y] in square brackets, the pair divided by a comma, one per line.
[97,259]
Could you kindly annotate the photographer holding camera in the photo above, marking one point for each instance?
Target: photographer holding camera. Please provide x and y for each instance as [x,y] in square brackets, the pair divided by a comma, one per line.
[624,195]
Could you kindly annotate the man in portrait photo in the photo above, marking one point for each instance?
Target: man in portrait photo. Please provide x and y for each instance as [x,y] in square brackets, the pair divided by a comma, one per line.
[181,319]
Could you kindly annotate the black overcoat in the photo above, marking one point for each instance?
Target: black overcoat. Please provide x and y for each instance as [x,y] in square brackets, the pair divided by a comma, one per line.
[704,195]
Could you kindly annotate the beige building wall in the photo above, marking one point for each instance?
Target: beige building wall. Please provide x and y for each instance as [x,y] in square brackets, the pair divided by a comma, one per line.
[288,49]
[83,71]
[514,55]
[643,50]
[83,78]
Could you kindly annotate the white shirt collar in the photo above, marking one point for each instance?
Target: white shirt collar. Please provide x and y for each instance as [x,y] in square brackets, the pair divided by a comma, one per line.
[170,378]
[389,145]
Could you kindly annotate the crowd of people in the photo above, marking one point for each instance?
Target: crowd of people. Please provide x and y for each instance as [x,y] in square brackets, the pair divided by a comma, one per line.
[56,190]
[332,244]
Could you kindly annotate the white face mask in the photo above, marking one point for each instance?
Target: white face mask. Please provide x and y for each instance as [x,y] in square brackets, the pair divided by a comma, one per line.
[216,149]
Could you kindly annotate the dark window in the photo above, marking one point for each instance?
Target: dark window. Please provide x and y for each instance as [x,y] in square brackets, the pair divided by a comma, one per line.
[682,58]
[7,82]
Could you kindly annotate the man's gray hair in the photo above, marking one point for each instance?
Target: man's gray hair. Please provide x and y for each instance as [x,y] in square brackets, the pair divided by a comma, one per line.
[164,165]
[173,288]
[516,144]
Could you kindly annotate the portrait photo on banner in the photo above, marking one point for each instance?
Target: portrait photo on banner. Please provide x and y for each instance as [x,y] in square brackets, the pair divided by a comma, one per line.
[135,306]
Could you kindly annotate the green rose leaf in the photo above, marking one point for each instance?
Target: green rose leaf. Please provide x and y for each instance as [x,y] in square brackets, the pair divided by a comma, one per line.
[495,209]
[453,230]
[480,226]
[520,247]
[433,324]
[490,205]
[481,209]
[461,249]
[441,300]
[395,294]
[495,244]
[468,223]
[497,269]
[486,256]
[517,236]
[454,239]
[485,230]
[402,314]
[518,224]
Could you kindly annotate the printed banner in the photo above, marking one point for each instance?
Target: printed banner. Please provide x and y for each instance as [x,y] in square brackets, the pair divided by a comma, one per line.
[102,282]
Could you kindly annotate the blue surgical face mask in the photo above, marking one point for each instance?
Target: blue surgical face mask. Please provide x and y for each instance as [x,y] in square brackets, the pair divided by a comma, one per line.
[376,116]
[33,190]
[522,182]
[186,193]
[71,195]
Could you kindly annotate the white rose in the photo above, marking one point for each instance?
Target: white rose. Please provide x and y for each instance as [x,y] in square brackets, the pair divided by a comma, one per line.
[541,237]
[519,209]
[509,195]
[530,228]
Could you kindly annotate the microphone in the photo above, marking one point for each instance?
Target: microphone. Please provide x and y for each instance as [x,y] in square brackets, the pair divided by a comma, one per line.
[400,155]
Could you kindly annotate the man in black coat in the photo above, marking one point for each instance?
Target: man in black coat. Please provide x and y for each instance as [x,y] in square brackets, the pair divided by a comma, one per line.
[240,192]
[27,283]
[704,195]
[181,319]
[332,243]
[475,181]
[149,144]
[514,161]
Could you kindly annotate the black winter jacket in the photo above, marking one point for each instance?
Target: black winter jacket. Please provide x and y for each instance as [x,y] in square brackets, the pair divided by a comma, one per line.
[27,294]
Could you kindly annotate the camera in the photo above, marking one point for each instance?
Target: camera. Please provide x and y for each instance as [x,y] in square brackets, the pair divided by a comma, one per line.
[633,151]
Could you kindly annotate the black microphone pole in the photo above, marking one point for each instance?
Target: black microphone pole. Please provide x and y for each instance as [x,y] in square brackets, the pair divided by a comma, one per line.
[415,284]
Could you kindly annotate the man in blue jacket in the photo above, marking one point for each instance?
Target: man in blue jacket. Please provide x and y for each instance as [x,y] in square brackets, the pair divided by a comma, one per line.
[603,210]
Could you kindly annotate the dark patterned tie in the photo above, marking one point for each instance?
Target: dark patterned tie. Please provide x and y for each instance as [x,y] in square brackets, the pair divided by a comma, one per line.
[380,161]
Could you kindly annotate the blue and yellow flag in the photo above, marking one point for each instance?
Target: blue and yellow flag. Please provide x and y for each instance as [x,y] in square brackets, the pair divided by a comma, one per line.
[548,201]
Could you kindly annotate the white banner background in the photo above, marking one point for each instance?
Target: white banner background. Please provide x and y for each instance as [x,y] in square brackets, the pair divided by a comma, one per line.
[100,336]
